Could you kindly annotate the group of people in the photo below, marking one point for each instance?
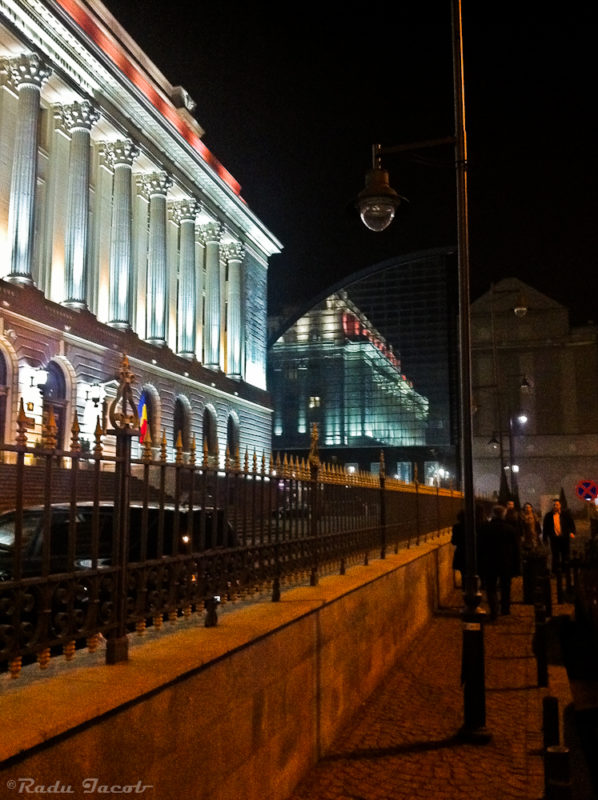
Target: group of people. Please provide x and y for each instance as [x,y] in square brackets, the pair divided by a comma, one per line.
[508,536]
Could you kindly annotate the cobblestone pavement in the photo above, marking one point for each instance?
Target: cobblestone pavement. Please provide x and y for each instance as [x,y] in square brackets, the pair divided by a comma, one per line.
[403,742]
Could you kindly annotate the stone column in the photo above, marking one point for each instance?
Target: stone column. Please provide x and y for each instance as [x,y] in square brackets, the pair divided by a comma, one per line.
[185,214]
[121,155]
[27,73]
[156,186]
[234,254]
[212,232]
[79,119]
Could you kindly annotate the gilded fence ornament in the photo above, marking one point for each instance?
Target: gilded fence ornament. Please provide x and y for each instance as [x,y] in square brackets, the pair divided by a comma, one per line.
[163,453]
[50,430]
[179,448]
[147,447]
[237,459]
[205,453]
[227,459]
[75,430]
[382,465]
[285,466]
[98,433]
[14,666]
[21,425]
[43,658]
[68,650]
[254,464]
[263,462]
[192,451]
[126,417]
[246,463]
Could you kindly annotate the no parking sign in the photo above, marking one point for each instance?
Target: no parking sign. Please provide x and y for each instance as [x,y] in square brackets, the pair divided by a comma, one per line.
[587,490]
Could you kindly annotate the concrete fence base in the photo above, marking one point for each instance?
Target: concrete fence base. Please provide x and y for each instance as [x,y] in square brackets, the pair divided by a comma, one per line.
[240,710]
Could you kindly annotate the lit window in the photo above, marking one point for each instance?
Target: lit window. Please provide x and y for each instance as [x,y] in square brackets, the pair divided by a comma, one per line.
[314,402]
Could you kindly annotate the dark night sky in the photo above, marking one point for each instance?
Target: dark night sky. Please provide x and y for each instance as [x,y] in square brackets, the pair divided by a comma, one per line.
[292,99]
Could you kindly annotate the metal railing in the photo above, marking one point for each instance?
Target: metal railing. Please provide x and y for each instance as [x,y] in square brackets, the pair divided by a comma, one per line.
[118,543]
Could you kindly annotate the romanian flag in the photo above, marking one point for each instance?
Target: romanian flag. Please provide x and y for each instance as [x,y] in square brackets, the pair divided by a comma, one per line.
[142,410]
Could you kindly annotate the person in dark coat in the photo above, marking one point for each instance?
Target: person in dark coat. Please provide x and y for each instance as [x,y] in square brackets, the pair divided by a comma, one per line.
[498,560]
[558,528]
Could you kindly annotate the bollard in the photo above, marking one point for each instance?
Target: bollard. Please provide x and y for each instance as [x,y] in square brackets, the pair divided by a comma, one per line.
[540,645]
[558,773]
[211,604]
[550,721]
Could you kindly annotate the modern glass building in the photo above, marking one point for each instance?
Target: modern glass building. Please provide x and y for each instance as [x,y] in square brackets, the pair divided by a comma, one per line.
[373,362]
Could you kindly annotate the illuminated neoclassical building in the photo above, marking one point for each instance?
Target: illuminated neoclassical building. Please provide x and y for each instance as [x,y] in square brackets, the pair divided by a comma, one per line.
[120,232]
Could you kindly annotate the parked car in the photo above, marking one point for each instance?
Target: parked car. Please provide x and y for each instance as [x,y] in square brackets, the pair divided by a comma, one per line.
[151,529]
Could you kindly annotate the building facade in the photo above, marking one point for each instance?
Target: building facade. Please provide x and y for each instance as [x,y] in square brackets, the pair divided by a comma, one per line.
[372,361]
[121,232]
[535,386]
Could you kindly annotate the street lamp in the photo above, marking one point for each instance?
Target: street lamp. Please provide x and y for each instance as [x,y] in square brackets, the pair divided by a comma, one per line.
[377,204]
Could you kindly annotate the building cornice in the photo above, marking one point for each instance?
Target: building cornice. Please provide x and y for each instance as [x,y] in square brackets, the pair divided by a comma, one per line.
[87,55]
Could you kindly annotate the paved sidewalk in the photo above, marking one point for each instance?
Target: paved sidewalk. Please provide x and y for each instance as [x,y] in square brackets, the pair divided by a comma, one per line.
[403,744]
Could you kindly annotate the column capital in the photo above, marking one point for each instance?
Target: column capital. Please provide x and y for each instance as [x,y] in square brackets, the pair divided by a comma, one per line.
[211,232]
[233,251]
[27,69]
[120,153]
[80,116]
[185,210]
[154,183]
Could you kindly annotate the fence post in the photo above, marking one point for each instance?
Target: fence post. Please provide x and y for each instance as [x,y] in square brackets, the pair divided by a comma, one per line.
[416,506]
[314,470]
[125,422]
[382,505]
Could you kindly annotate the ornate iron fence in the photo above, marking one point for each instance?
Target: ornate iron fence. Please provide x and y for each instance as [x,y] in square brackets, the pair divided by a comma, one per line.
[116,543]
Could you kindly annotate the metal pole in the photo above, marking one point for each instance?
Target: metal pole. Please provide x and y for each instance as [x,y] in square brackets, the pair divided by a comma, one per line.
[474,724]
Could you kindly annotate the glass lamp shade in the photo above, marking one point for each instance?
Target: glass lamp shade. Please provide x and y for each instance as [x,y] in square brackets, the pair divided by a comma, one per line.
[378,201]
[377,213]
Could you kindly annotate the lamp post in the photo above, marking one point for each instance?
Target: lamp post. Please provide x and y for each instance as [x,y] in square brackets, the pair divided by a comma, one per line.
[377,204]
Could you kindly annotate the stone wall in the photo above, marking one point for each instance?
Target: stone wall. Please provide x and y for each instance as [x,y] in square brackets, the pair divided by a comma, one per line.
[241,710]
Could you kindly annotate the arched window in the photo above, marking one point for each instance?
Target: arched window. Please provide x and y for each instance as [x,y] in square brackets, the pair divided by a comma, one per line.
[147,416]
[210,434]
[55,399]
[232,437]
[182,423]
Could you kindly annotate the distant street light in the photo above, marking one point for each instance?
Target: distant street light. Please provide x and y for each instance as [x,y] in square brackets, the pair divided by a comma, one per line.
[377,204]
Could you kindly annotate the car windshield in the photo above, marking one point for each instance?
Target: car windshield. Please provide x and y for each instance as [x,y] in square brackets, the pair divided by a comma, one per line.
[7,529]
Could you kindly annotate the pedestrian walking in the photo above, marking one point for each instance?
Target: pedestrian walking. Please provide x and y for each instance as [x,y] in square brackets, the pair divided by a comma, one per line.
[558,528]
[498,560]
[531,530]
